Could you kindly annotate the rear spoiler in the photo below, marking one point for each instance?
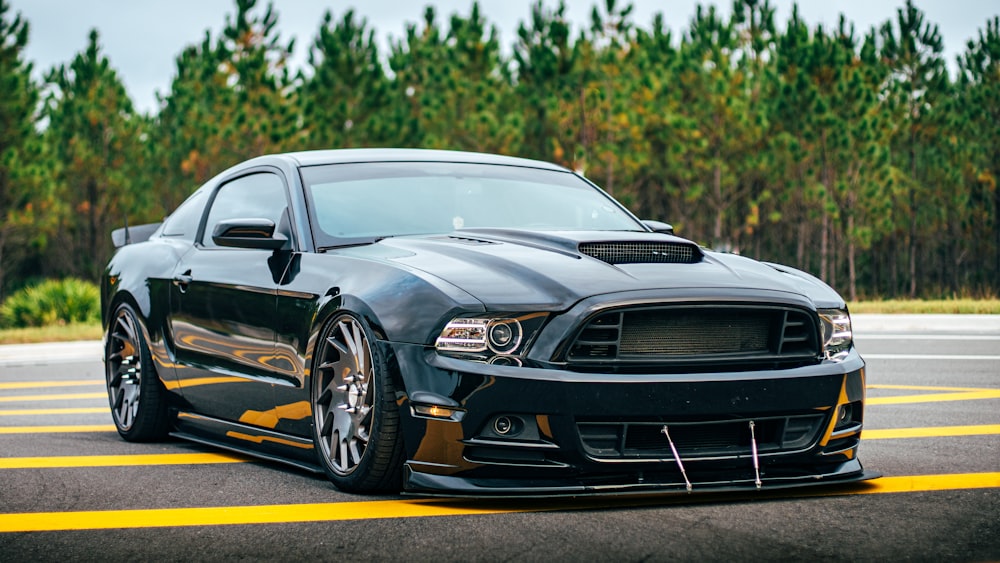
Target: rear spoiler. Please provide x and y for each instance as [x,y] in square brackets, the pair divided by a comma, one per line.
[131,235]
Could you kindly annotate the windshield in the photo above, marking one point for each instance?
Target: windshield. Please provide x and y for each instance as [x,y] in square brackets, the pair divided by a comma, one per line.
[371,200]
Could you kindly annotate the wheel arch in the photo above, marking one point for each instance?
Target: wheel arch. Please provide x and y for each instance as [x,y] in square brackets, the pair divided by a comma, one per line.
[335,304]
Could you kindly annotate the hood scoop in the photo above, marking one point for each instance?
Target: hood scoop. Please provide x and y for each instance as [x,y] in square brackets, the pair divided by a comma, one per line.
[470,241]
[642,252]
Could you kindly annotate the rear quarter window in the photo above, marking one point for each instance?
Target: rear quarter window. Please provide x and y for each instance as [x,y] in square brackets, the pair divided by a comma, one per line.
[183,222]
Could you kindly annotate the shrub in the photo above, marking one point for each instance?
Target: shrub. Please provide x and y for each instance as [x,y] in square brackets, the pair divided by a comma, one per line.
[52,302]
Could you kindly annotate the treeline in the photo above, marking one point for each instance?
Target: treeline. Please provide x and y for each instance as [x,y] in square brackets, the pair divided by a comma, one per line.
[852,154]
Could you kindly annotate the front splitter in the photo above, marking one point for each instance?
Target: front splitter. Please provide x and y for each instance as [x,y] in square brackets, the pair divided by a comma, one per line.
[443,486]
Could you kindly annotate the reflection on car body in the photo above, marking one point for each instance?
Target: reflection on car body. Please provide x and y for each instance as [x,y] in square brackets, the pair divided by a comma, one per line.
[452,323]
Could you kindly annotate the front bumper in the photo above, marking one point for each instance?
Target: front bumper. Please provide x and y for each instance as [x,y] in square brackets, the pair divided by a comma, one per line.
[571,433]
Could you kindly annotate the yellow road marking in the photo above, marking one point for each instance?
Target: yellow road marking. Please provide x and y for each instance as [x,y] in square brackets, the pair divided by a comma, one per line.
[924,483]
[57,429]
[53,397]
[934,397]
[46,384]
[366,510]
[208,516]
[926,388]
[31,412]
[930,432]
[946,394]
[117,460]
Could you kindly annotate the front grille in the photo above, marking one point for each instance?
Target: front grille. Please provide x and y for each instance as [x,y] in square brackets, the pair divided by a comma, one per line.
[642,252]
[684,333]
[705,439]
[703,334]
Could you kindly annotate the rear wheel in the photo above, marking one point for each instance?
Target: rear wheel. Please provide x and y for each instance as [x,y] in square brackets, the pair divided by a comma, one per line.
[137,398]
[355,421]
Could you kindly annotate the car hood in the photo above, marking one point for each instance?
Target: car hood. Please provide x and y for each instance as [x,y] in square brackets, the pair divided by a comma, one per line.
[517,270]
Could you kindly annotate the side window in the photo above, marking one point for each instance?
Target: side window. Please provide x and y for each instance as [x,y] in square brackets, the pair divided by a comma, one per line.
[257,196]
[183,222]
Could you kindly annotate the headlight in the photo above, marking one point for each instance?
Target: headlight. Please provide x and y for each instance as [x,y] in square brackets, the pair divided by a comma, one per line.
[486,337]
[837,334]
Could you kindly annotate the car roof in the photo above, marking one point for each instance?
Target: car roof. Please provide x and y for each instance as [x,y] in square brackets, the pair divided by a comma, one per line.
[343,156]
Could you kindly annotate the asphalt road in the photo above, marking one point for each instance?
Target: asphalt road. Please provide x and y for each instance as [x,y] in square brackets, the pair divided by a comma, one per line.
[932,429]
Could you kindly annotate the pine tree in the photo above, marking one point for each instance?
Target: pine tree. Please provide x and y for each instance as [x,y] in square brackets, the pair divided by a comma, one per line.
[345,94]
[544,68]
[229,101]
[95,135]
[452,89]
[724,126]
[255,64]
[18,97]
[917,80]
[655,103]
[187,144]
[978,112]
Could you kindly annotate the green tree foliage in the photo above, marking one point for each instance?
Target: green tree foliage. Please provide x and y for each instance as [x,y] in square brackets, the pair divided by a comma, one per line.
[229,101]
[255,64]
[18,97]
[977,112]
[545,62]
[724,119]
[916,84]
[345,95]
[188,148]
[848,153]
[451,90]
[825,130]
[95,136]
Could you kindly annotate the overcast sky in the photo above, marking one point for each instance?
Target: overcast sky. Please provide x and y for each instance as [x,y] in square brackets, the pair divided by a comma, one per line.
[141,38]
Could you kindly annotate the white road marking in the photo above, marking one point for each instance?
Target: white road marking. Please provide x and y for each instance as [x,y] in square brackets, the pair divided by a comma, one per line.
[948,357]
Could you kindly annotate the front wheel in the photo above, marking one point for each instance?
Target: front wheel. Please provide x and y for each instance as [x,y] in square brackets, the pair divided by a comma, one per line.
[355,420]
[137,398]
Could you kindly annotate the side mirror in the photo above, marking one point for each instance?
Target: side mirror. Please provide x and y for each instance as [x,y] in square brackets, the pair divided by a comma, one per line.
[659,227]
[248,233]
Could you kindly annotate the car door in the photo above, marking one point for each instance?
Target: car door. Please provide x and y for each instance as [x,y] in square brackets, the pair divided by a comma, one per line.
[222,304]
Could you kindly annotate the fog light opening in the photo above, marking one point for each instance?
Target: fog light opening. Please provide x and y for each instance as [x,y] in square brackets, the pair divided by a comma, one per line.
[845,415]
[507,426]
[503,425]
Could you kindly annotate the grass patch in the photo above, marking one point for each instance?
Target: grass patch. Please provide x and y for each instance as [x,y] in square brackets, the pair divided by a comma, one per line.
[932,306]
[54,333]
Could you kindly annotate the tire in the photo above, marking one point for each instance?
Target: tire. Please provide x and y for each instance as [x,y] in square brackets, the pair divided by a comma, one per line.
[355,418]
[135,393]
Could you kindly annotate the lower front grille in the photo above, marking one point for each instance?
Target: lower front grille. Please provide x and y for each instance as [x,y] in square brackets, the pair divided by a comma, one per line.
[699,440]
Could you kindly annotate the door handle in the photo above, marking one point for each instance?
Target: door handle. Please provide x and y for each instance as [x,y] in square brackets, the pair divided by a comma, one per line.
[182,280]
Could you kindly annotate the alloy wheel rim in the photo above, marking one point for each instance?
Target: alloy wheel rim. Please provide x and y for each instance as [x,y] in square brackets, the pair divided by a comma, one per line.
[344,397]
[124,370]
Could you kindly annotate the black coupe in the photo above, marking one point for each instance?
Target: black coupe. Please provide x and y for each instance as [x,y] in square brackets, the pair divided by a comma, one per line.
[452,323]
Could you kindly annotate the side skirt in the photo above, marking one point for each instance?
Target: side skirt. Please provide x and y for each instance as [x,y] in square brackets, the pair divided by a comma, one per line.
[248,440]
